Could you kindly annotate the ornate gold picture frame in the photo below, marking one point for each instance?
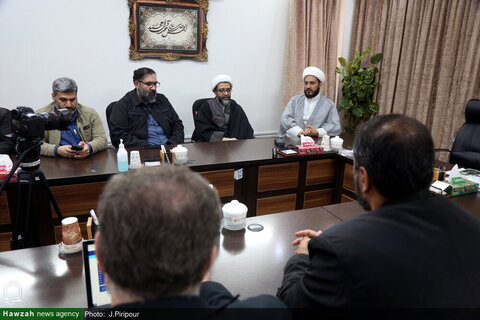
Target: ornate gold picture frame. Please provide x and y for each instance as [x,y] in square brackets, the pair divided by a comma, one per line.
[168,30]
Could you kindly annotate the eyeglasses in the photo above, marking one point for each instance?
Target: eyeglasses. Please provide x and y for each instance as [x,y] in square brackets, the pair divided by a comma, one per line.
[150,84]
[224,90]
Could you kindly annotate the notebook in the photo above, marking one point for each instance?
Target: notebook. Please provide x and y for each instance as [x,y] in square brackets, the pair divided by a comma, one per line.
[97,294]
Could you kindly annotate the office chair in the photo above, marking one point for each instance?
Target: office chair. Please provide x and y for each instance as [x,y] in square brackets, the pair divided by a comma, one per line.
[108,111]
[195,107]
[466,147]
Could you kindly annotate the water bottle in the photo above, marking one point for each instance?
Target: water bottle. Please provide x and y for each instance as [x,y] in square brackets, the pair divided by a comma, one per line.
[122,158]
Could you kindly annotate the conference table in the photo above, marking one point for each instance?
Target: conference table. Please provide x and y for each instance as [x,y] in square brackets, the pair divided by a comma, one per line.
[249,262]
[244,170]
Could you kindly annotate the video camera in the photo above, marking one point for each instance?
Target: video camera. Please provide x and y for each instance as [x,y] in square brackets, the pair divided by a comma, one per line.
[29,129]
[28,124]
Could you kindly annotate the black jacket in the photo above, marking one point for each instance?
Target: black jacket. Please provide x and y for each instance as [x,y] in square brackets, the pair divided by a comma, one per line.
[129,120]
[214,302]
[420,252]
[7,145]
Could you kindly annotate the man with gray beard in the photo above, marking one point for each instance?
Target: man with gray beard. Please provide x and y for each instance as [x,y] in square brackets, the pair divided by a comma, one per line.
[143,117]
[221,118]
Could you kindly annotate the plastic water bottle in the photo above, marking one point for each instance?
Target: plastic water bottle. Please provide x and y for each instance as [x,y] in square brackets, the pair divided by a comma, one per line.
[122,158]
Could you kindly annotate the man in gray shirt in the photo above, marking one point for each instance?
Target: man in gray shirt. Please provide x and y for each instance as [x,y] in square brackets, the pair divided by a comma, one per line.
[310,114]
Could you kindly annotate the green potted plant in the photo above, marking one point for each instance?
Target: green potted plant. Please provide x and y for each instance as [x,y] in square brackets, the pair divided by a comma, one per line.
[358,85]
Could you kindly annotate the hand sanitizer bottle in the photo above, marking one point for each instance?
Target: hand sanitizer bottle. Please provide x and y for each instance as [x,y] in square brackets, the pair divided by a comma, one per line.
[122,158]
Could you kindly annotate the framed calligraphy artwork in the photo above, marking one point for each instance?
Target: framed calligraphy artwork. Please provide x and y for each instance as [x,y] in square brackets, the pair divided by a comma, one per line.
[168,29]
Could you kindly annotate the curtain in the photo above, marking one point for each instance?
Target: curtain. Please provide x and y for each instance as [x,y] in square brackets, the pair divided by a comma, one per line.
[312,41]
[431,64]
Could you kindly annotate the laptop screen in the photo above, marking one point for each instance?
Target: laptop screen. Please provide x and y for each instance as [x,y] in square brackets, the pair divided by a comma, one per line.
[97,294]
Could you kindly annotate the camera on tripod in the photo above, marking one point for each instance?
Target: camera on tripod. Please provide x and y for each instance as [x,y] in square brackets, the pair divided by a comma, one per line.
[32,223]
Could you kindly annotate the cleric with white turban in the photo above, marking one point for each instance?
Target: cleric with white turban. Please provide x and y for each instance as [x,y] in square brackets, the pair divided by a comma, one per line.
[310,113]
[219,79]
[221,118]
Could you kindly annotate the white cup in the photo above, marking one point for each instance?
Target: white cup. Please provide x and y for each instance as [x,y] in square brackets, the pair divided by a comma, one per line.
[135,161]
[326,143]
[180,153]
[234,215]
[337,143]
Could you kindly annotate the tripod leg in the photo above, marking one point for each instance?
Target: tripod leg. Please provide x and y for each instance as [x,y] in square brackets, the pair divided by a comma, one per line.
[33,225]
[24,235]
[54,203]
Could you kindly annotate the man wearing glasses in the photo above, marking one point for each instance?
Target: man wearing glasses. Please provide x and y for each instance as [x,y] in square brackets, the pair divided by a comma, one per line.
[221,118]
[143,117]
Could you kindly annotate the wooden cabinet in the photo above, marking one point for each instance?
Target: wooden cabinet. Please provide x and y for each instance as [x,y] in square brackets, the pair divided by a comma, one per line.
[222,180]
[321,171]
[278,176]
[295,185]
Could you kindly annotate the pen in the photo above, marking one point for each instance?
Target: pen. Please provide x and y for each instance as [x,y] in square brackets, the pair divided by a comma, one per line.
[94,216]
[165,152]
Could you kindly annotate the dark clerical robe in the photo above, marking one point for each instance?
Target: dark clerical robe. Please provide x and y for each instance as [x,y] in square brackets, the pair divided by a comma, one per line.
[211,124]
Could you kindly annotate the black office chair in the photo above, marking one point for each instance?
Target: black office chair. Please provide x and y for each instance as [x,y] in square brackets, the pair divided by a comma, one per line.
[108,111]
[466,147]
[195,107]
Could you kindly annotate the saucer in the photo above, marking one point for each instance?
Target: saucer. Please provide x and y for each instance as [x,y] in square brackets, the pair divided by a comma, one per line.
[72,248]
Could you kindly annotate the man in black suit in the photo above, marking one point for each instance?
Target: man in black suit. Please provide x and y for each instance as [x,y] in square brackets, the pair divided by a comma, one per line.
[143,117]
[158,238]
[413,249]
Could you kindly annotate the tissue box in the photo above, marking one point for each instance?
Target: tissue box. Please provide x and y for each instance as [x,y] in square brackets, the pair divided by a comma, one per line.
[5,170]
[315,149]
[462,186]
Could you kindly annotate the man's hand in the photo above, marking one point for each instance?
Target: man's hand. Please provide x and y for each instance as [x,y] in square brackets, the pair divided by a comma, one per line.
[311,131]
[304,238]
[228,139]
[85,152]
[66,151]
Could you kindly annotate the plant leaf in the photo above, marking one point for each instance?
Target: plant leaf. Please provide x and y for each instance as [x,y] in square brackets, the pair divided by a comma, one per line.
[376,58]
[343,61]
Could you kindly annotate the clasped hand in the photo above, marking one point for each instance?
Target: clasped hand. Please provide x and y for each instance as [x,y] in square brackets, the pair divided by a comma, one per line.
[309,131]
[304,237]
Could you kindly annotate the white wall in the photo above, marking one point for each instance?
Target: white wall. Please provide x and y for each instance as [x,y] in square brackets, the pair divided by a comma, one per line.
[88,41]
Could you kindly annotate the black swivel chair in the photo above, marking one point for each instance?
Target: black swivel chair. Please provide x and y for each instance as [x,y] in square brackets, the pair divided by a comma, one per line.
[466,146]
[195,107]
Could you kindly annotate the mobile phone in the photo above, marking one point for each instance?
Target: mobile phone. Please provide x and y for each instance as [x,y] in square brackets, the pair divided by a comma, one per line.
[76,148]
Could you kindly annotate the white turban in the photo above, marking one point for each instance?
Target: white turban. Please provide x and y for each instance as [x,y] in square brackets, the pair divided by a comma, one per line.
[314,71]
[219,79]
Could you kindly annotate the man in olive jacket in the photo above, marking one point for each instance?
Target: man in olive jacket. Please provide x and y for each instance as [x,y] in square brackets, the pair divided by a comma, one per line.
[85,128]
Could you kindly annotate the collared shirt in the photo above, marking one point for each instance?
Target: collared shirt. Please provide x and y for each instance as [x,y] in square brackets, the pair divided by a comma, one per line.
[70,136]
[156,134]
